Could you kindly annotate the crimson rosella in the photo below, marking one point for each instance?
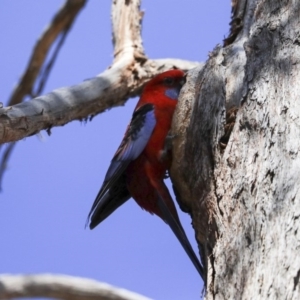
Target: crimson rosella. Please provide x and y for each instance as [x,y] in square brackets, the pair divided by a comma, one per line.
[139,166]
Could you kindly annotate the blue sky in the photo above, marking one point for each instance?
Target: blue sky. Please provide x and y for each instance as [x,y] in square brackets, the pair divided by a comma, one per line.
[51,182]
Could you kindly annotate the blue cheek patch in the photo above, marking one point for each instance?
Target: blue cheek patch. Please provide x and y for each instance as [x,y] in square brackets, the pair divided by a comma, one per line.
[172,93]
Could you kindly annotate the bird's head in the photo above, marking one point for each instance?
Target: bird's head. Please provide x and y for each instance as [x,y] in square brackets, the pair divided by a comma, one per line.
[169,83]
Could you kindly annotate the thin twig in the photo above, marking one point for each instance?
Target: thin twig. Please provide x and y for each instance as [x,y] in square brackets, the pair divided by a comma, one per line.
[46,71]
[122,80]
[58,28]
[4,159]
[63,19]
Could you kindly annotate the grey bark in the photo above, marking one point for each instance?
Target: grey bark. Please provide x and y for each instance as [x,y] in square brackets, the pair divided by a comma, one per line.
[243,193]
[237,177]
[61,287]
[83,101]
[129,71]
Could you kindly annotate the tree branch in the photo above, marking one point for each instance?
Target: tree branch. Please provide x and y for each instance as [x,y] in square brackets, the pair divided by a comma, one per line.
[58,28]
[61,287]
[124,79]
[61,22]
[111,88]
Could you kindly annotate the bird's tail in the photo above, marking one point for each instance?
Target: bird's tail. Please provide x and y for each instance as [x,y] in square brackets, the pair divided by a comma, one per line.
[177,229]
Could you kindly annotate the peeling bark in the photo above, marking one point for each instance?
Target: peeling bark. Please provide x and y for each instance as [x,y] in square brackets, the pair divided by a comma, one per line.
[236,147]
[244,199]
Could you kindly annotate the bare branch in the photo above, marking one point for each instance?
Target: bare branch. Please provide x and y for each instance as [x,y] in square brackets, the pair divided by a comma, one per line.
[126,24]
[124,79]
[61,287]
[4,159]
[47,69]
[109,89]
[58,28]
[61,22]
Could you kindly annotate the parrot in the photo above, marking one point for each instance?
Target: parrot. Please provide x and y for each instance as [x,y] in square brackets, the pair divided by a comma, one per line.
[140,164]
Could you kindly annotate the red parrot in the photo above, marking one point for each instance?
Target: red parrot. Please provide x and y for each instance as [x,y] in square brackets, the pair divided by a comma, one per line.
[139,166]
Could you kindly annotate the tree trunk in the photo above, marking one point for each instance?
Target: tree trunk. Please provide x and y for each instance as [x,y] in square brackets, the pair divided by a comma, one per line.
[242,190]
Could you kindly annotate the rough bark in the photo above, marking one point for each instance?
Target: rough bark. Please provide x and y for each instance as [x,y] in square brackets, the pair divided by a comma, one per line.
[244,199]
[236,146]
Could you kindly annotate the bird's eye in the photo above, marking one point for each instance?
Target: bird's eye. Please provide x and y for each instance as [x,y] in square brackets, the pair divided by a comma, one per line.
[168,81]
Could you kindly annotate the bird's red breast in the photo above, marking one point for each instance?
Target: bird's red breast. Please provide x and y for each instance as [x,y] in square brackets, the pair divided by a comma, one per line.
[139,166]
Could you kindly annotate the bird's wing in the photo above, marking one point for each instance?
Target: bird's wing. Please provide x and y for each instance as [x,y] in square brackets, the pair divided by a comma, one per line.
[113,192]
[109,202]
